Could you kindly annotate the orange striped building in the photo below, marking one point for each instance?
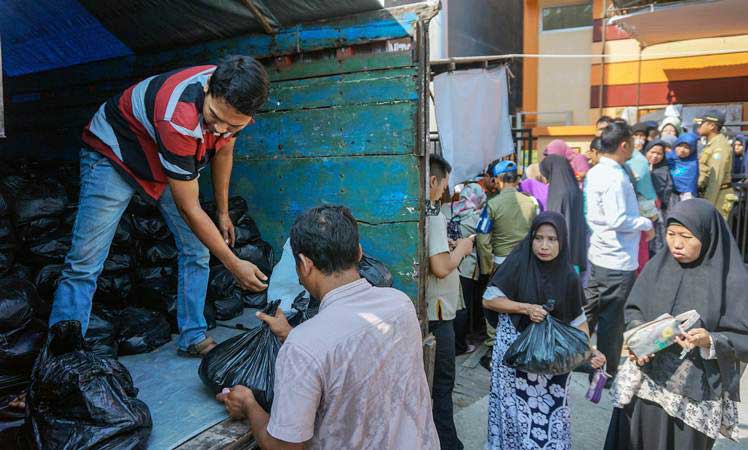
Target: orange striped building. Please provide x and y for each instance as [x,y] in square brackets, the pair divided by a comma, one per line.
[587,68]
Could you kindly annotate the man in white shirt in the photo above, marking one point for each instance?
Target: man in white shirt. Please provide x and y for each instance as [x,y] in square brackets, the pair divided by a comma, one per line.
[352,376]
[613,217]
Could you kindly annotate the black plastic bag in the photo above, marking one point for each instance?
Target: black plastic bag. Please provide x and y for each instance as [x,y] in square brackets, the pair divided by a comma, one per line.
[247,359]
[13,383]
[7,257]
[210,315]
[100,409]
[4,207]
[151,228]
[16,309]
[118,262]
[19,294]
[306,307]
[229,307]
[140,330]
[550,347]
[228,296]
[159,294]
[157,253]
[42,198]
[237,208]
[246,230]
[123,235]
[39,230]
[259,253]
[49,252]
[47,280]
[375,272]
[101,337]
[7,236]
[18,348]
[22,272]
[146,274]
[142,207]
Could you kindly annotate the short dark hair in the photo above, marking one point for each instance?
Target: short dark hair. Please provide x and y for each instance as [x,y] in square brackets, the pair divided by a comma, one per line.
[439,167]
[509,177]
[242,82]
[328,235]
[595,144]
[620,120]
[606,119]
[612,137]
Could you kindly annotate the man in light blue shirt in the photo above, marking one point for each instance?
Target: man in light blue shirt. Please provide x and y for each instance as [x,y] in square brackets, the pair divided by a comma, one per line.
[616,225]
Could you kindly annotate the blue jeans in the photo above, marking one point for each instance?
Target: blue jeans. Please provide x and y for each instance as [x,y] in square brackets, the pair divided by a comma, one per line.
[104,196]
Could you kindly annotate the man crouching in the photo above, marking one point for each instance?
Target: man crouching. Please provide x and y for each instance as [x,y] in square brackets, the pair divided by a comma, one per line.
[352,376]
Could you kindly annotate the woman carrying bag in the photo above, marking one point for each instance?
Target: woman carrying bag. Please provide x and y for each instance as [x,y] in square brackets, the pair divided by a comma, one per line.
[684,396]
[523,406]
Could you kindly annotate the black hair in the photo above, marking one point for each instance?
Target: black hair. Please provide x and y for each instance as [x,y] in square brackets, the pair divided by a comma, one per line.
[606,119]
[328,235]
[242,82]
[620,120]
[612,137]
[595,144]
[492,165]
[439,167]
[509,177]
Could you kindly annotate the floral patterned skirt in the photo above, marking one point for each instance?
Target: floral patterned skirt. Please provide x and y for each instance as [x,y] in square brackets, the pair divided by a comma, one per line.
[526,411]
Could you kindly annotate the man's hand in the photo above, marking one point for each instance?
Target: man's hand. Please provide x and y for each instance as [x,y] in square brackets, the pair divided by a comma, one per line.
[278,325]
[649,235]
[237,401]
[226,227]
[248,276]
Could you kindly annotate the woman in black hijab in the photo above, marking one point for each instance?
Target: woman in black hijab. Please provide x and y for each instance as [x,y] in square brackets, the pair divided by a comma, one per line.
[530,405]
[663,401]
[565,197]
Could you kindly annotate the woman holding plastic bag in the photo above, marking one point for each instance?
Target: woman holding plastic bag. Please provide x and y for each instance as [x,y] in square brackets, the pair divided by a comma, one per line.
[684,396]
[530,410]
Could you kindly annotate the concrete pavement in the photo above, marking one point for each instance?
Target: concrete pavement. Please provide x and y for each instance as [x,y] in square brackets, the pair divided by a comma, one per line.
[589,421]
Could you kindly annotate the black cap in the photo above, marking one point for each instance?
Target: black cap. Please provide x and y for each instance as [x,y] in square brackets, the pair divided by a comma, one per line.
[713,115]
[640,127]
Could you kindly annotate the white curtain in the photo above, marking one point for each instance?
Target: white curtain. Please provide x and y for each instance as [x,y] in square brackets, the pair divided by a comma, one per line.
[472,115]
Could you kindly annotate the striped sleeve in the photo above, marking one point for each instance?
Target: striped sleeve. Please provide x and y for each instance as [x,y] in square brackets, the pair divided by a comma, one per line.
[177,151]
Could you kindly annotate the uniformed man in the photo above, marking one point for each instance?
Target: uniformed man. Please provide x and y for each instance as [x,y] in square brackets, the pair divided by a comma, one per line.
[715,163]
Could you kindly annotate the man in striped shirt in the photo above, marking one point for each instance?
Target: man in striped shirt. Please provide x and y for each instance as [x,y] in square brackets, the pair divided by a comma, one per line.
[154,138]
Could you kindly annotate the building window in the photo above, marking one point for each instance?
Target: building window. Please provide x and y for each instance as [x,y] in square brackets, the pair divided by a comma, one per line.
[565,17]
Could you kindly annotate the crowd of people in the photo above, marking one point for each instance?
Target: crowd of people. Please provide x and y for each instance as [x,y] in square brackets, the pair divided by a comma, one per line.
[618,235]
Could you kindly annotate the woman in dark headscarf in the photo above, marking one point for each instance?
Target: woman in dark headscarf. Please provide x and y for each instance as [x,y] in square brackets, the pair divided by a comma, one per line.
[525,405]
[565,197]
[665,402]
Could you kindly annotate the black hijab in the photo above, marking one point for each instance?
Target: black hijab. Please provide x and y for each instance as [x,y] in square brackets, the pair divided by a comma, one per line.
[715,286]
[565,197]
[522,277]
[661,178]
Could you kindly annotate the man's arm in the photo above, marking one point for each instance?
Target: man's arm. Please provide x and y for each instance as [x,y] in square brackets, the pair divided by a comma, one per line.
[186,197]
[705,169]
[443,264]
[221,166]
[241,403]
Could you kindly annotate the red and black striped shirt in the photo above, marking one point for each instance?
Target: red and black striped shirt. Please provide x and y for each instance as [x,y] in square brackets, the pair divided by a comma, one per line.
[154,130]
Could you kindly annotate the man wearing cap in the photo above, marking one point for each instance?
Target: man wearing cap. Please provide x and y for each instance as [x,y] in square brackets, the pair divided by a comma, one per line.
[512,213]
[715,163]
